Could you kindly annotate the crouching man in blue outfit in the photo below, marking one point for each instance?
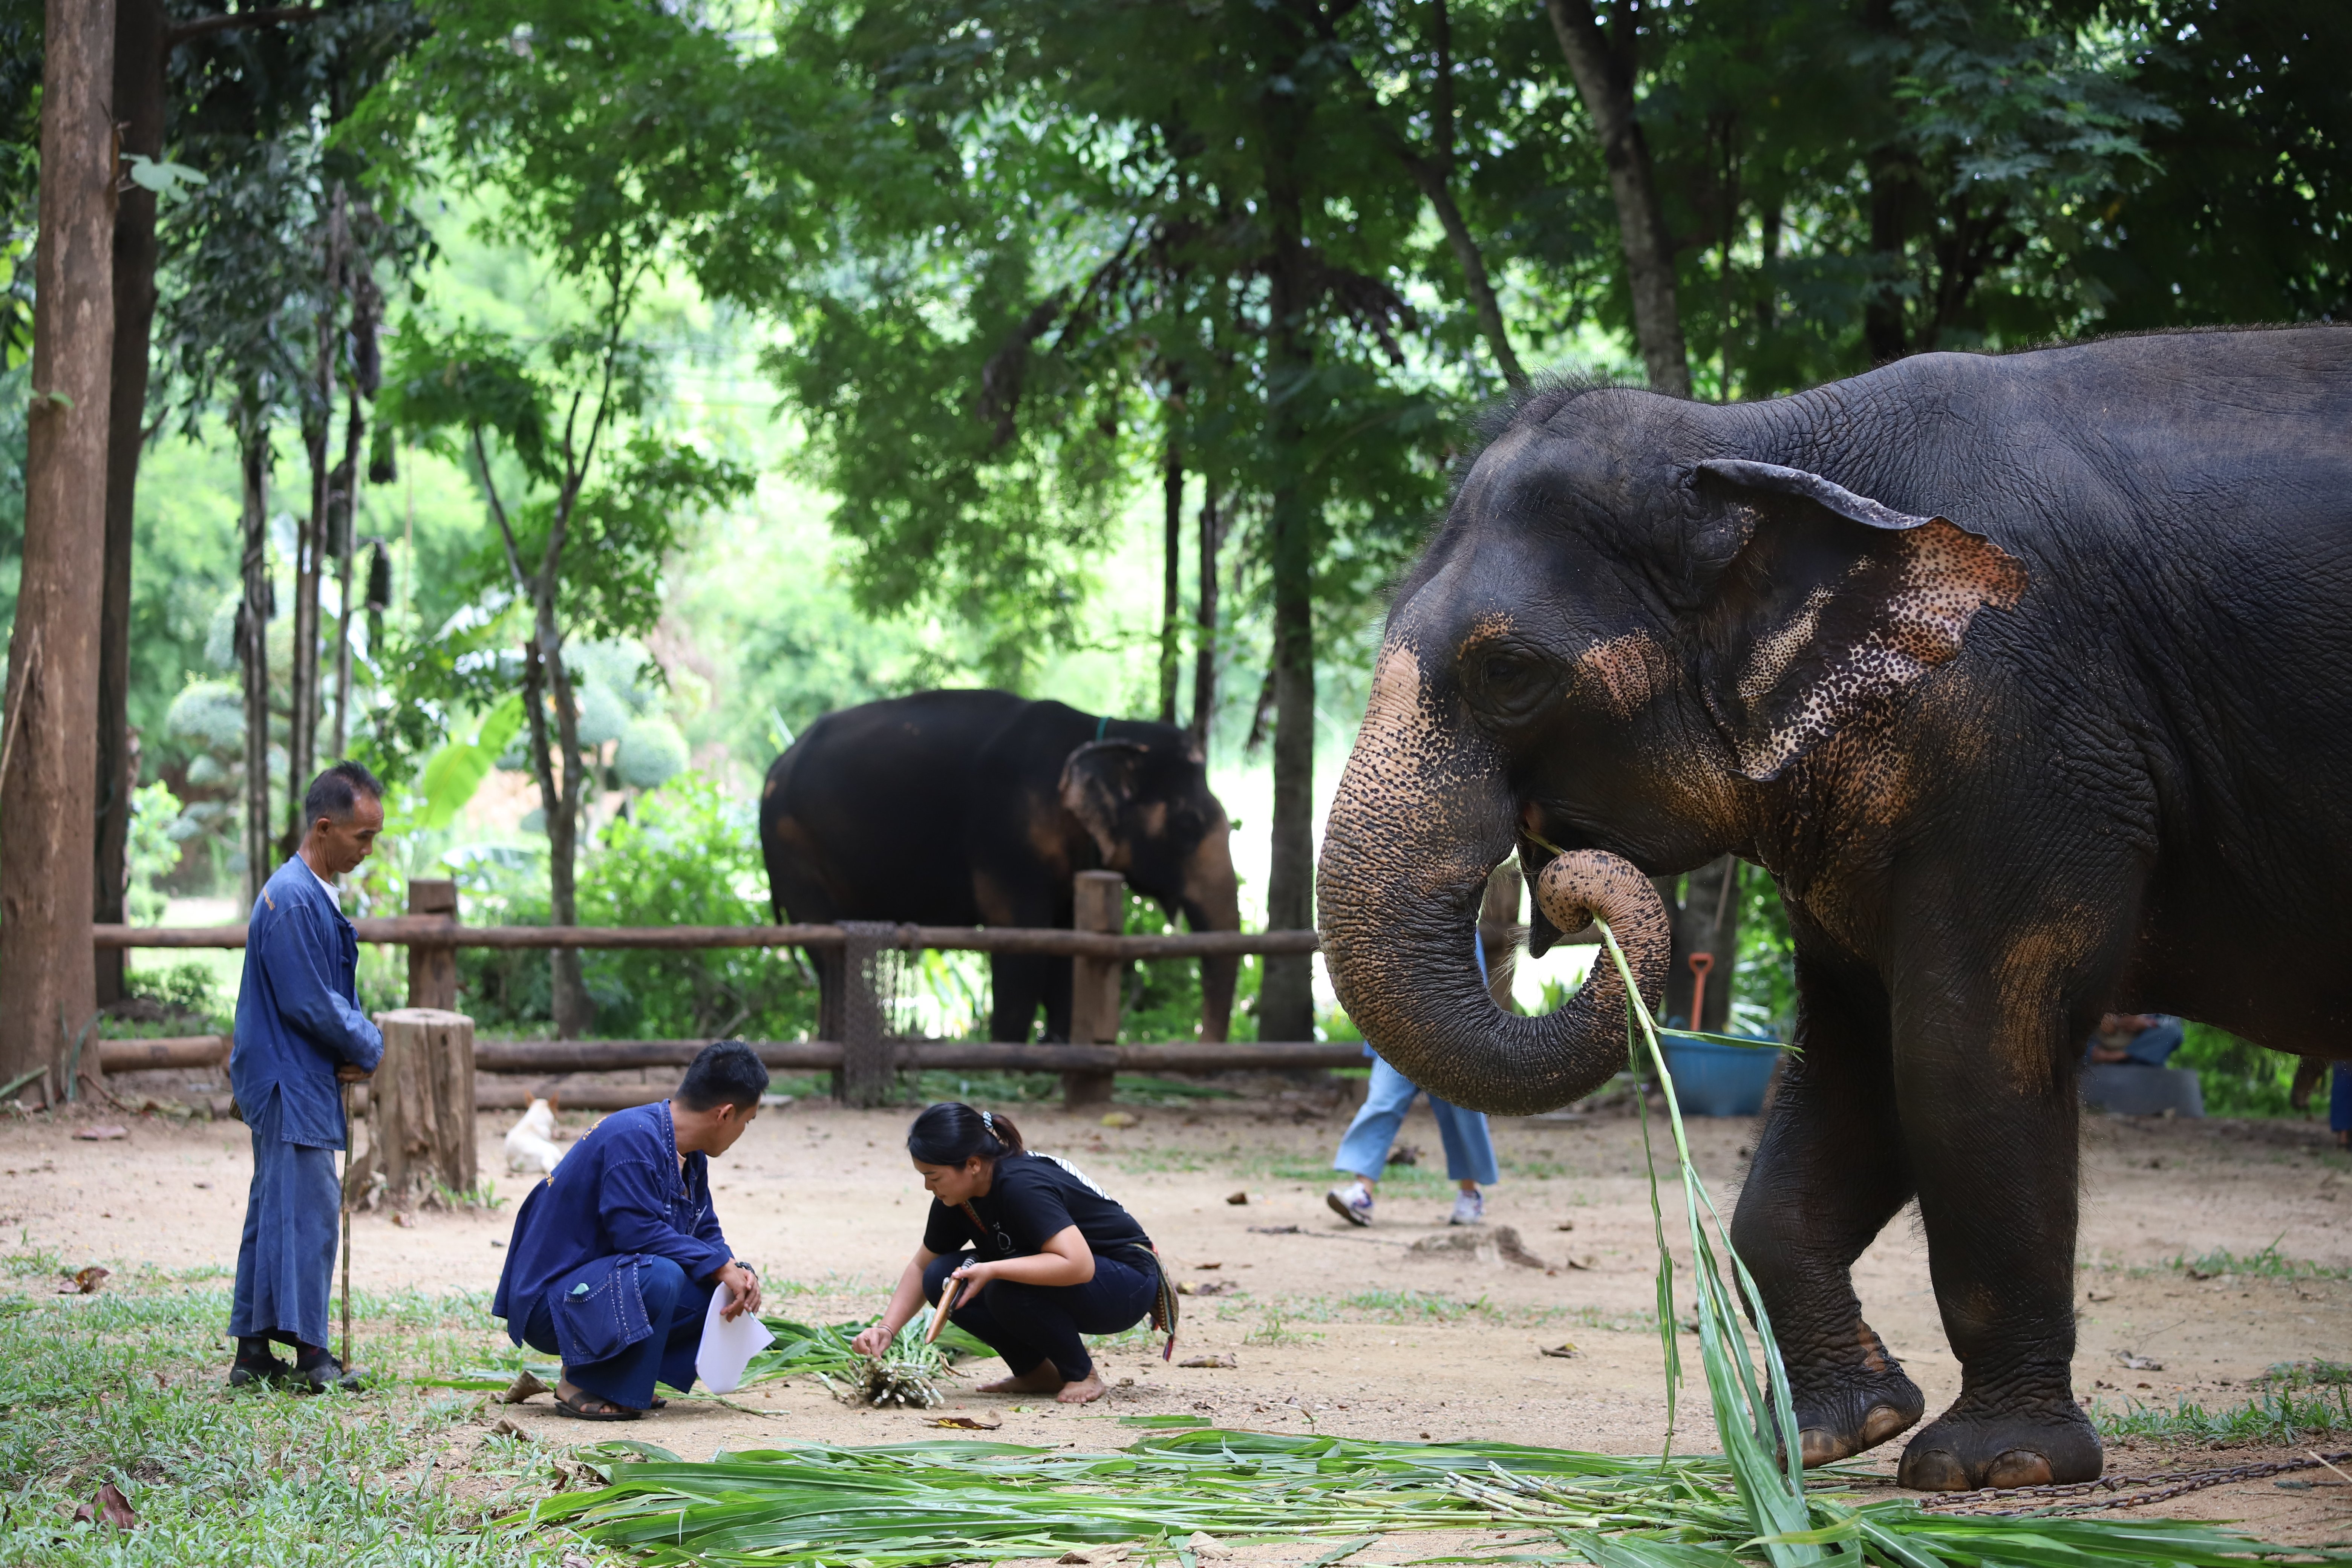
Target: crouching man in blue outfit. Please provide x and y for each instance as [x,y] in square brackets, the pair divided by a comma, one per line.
[617,1254]
[299,1031]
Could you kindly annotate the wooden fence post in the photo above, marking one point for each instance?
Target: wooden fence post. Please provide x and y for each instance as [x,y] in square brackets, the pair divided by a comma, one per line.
[868,1071]
[1100,901]
[420,1105]
[433,970]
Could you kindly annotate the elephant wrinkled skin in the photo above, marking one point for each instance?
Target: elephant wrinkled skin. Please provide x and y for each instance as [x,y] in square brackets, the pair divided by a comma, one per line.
[2029,679]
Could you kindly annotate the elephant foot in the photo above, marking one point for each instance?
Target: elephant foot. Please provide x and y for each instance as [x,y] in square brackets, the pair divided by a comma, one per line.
[1967,1447]
[1857,1411]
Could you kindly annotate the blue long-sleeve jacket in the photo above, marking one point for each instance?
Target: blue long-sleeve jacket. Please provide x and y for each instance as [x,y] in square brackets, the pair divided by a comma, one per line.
[298,1010]
[617,1196]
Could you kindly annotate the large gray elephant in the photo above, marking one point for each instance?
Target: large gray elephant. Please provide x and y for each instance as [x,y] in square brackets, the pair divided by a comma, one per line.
[2029,678]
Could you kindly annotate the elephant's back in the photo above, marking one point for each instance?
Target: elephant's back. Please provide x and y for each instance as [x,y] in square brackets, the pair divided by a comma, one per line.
[864,816]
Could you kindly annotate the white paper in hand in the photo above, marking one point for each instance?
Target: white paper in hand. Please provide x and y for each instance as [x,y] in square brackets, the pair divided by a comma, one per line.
[728,1348]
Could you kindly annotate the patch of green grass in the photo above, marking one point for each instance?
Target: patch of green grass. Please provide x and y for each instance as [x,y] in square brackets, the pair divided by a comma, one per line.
[32,1262]
[2283,1417]
[2269,1263]
[2309,1374]
[127,1387]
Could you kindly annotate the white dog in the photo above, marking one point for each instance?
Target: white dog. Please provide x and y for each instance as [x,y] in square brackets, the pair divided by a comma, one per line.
[531,1142]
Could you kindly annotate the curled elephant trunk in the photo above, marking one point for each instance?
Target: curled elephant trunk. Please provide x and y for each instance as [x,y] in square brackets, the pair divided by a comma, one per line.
[1212,902]
[1423,814]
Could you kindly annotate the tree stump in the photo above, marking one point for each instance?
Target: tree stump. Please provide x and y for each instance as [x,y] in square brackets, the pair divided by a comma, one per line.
[421,1105]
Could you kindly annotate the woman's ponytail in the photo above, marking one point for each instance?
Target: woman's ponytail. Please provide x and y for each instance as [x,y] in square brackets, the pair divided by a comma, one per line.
[950,1133]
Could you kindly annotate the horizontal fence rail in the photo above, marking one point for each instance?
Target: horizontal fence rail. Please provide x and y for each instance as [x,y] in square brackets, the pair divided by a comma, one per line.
[413,931]
[864,1058]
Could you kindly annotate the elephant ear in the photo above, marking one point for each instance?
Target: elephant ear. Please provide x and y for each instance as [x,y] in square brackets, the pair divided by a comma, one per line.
[1098,786]
[1829,605]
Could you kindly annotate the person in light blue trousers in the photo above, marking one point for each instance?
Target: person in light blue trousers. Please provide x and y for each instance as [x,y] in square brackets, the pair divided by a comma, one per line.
[1364,1150]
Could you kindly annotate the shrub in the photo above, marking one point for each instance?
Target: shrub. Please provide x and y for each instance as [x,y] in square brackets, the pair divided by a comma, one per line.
[686,855]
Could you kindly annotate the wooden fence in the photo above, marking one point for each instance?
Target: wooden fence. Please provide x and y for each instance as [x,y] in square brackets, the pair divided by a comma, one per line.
[864,1059]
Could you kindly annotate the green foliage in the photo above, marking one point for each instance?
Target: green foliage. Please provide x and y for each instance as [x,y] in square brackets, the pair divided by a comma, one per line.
[2284,1417]
[2309,1374]
[2269,1263]
[453,773]
[191,986]
[154,850]
[2238,1077]
[687,855]
[1764,979]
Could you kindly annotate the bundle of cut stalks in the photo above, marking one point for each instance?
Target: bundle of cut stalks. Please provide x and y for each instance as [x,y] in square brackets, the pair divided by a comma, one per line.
[905,1375]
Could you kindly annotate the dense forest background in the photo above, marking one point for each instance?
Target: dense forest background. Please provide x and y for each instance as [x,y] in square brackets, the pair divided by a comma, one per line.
[625,385]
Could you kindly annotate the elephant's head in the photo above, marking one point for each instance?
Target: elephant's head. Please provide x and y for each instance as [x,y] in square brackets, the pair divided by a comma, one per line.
[1623,631]
[1147,805]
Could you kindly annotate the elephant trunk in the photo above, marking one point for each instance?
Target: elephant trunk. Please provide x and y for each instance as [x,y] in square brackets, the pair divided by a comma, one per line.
[1423,814]
[1212,902]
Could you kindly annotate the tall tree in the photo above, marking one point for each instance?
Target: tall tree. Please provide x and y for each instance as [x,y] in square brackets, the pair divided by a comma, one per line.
[607,143]
[48,755]
[1604,63]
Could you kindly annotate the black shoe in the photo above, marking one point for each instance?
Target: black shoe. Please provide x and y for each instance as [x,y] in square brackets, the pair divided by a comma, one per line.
[268,1372]
[328,1374]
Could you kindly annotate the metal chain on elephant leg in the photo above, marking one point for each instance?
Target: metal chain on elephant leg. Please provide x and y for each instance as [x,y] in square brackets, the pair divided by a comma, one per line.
[2144,1490]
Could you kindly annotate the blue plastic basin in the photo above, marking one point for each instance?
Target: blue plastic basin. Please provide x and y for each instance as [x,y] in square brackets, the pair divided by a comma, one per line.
[1719,1080]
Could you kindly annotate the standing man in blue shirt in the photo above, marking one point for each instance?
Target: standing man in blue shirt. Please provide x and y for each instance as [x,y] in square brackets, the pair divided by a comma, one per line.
[301,1035]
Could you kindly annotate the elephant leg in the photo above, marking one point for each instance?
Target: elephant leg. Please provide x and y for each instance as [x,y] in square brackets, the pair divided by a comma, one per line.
[1018,984]
[1829,1173]
[1991,1126]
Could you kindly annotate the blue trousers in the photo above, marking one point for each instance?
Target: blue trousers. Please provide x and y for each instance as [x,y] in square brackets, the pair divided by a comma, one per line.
[2339,1100]
[1032,1324]
[1469,1152]
[286,1258]
[2152,1047]
[675,1305]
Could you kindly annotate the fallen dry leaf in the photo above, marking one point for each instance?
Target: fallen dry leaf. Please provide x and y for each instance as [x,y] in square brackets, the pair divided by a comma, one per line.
[1225,1361]
[1563,1349]
[1565,1224]
[971,1424]
[102,1133]
[401,1219]
[503,1427]
[1203,1286]
[1204,1544]
[2098,1295]
[110,1505]
[2137,1362]
[1118,1119]
[1205,1268]
[524,1385]
[84,1283]
[1237,1199]
[1074,1557]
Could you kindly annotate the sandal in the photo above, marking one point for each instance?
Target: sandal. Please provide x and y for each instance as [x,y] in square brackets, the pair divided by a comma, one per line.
[579,1408]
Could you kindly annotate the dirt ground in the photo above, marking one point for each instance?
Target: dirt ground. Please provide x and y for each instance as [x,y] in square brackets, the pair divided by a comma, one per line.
[1333,1328]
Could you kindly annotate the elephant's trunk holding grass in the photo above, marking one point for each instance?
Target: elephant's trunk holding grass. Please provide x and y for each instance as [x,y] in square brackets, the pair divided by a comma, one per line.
[2029,678]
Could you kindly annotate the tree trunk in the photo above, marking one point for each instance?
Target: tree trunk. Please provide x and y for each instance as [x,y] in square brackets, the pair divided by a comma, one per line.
[48,752]
[310,536]
[1705,919]
[1604,80]
[1286,998]
[252,616]
[1434,175]
[1204,654]
[138,105]
[1171,599]
[575,1012]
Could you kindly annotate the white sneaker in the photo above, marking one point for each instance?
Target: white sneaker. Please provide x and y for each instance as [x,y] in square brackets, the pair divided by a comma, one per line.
[1352,1202]
[1469,1209]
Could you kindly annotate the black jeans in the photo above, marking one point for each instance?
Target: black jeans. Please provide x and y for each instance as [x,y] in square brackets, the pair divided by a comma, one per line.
[1029,1324]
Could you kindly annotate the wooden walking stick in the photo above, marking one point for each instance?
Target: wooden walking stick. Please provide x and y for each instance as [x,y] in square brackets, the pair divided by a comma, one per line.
[345,1193]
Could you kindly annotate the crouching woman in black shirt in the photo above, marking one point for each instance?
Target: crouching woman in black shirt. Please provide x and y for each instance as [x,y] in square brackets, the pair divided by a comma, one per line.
[1042,1255]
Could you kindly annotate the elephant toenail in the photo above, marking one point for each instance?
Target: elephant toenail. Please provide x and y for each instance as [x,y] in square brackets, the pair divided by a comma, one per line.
[1820,1446]
[2019,1467]
[1883,1422]
[1934,1471]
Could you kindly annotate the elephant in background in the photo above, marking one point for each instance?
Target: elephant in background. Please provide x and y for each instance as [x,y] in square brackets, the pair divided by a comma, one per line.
[2029,679]
[979,808]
